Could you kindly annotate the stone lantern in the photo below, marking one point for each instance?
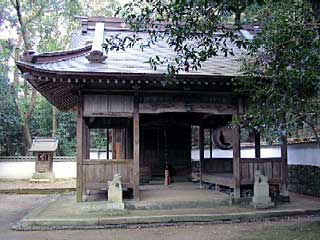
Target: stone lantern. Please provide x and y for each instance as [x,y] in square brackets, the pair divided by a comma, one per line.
[44,149]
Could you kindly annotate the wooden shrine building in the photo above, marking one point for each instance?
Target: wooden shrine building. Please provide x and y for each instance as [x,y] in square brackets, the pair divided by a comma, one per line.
[44,149]
[151,121]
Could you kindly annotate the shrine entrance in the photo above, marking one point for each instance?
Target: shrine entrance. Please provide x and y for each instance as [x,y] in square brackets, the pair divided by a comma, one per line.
[165,146]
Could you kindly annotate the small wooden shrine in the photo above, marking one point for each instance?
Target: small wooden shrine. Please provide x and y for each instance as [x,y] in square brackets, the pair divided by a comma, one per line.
[151,121]
[44,149]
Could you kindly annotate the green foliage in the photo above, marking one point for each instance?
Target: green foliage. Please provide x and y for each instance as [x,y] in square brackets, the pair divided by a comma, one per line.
[41,121]
[106,8]
[55,26]
[5,51]
[189,28]
[283,69]
[66,133]
[10,132]
[98,138]
[45,25]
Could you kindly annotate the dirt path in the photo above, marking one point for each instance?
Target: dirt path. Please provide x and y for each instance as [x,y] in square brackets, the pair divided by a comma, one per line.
[13,207]
[26,184]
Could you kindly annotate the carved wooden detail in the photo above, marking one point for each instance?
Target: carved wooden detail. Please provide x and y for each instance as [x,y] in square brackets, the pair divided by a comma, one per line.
[218,109]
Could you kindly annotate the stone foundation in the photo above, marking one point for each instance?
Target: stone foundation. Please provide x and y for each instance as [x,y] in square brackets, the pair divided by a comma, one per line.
[42,177]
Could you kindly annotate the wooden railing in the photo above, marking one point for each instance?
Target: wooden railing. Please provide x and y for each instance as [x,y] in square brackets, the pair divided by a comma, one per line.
[270,167]
[97,173]
[217,165]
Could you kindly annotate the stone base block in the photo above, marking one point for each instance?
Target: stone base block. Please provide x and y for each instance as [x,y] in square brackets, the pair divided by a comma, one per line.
[115,206]
[262,203]
[110,209]
[42,177]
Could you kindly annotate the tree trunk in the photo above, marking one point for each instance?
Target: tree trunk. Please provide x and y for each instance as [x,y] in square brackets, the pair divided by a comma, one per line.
[54,121]
[26,136]
[237,18]
[24,34]
[25,116]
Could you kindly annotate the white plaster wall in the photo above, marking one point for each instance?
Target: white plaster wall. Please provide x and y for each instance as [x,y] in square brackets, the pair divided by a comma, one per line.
[65,169]
[100,155]
[245,153]
[303,154]
[17,170]
[24,170]
[306,154]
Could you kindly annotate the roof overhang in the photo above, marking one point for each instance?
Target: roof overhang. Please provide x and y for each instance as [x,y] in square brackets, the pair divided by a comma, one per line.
[63,76]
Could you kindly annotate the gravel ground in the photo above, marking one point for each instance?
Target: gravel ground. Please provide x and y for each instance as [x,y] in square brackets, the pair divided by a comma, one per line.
[25,184]
[14,207]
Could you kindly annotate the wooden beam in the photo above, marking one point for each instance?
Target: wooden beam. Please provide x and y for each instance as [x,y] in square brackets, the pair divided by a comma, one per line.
[236,160]
[154,91]
[257,146]
[260,160]
[97,54]
[136,150]
[284,168]
[201,151]
[110,114]
[79,152]
[107,162]
[210,143]
[211,108]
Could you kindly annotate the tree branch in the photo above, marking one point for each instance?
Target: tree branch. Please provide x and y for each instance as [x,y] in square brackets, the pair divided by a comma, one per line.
[313,130]
[17,7]
[13,3]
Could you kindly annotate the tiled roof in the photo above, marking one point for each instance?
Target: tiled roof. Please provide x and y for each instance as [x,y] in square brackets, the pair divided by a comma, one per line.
[62,76]
[43,144]
[133,60]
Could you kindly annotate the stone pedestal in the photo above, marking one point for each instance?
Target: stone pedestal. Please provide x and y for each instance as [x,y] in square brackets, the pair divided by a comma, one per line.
[261,198]
[42,177]
[115,199]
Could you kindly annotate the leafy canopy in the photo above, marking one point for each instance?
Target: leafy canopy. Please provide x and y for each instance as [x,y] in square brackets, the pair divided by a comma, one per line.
[283,69]
[193,29]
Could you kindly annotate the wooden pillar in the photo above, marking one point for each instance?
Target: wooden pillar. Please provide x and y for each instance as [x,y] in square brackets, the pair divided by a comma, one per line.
[86,141]
[236,160]
[129,141]
[114,143]
[201,151]
[136,151]
[211,144]
[119,143]
[166,152]
[79,152]
[257,146]
[284,168]
[108,142]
